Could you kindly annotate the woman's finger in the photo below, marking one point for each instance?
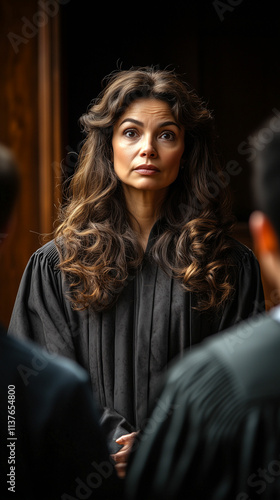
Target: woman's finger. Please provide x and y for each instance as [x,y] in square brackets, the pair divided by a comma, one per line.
[121,470]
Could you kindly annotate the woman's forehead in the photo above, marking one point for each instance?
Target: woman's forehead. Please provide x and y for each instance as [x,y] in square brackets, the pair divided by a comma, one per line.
[147,108]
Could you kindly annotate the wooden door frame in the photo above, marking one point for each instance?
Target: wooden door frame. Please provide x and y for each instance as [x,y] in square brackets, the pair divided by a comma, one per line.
[49,122]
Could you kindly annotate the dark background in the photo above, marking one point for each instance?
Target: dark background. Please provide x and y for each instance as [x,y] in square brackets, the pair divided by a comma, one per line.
[232,63]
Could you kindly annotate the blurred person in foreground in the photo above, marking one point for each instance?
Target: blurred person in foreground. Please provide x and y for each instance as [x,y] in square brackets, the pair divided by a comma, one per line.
[215,430]
[51,446]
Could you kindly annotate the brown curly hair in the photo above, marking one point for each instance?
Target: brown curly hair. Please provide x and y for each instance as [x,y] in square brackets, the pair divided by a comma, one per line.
[98,248]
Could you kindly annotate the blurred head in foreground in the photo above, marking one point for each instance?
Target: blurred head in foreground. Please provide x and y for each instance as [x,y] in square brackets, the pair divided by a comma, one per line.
[265,222]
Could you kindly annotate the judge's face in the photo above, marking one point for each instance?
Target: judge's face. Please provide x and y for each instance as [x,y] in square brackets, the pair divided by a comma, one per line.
[148,145]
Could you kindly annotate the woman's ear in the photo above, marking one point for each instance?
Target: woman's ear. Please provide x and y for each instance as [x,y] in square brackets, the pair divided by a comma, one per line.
[267,247]
[263,234]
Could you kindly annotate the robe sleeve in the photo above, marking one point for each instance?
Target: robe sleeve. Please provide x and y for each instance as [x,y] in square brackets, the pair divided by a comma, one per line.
[39,313]
[248,295]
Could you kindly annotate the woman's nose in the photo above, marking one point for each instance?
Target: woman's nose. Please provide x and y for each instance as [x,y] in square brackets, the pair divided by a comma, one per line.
[148,150]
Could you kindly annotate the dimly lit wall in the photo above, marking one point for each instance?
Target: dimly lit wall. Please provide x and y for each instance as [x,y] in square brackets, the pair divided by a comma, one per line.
[30,126]
[19,131]
[227,50]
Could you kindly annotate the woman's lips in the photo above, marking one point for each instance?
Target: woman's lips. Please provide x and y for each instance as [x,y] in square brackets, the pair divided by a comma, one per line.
[147,169]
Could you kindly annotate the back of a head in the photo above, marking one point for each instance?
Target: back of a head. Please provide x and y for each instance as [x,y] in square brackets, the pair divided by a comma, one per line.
[267,181]
[9,185]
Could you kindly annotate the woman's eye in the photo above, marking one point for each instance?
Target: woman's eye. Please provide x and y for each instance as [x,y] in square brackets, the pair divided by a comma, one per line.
[167,136]
[130,133]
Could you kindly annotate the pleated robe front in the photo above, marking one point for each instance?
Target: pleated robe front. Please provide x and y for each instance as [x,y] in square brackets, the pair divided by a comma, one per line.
[127,348]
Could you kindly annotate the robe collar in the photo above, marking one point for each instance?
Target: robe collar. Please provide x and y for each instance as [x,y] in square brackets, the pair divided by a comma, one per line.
[157,229]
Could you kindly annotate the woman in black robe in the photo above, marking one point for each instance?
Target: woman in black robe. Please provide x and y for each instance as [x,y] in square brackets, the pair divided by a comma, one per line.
[142,265]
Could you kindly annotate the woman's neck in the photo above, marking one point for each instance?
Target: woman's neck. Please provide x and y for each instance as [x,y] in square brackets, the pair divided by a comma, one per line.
[144,207]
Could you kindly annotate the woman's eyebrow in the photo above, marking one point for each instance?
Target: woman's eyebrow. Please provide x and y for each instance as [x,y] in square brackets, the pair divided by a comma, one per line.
[165,124]
[141,124]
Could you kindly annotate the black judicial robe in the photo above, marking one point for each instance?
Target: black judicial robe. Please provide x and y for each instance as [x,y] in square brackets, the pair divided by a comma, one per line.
[215,431]
[127,348]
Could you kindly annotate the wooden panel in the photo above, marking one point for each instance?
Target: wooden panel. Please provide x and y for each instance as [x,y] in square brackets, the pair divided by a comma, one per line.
[19,131]
[49,124]
[27,115]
